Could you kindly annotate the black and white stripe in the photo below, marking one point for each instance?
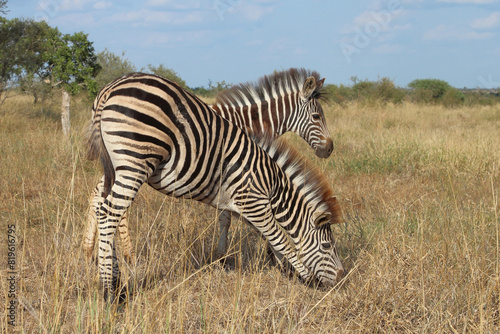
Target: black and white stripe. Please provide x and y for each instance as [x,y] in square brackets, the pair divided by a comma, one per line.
[275,104]
[148,129]
[278,103]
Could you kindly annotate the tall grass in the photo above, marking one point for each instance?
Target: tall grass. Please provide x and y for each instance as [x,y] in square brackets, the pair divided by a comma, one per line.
[420,238]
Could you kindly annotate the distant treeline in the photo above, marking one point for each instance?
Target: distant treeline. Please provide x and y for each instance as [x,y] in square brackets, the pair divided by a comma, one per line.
[419,91]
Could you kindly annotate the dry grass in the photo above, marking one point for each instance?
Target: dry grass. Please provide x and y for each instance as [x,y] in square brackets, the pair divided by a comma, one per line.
[419,189]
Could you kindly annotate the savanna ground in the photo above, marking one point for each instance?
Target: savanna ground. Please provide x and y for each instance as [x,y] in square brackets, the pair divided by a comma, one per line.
[419,189]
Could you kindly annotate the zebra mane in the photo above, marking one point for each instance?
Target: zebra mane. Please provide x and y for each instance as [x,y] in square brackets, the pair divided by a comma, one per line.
[301,172]
[275,85]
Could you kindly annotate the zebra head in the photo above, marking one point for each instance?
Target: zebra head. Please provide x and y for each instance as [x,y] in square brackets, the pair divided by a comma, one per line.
[316,249]
[312,125]
[326,264]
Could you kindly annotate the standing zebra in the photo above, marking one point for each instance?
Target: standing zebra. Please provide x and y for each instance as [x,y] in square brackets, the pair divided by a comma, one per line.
[148,129]
[282,102]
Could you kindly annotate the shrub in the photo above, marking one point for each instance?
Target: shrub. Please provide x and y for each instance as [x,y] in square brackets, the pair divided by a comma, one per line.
[339,94]
[167,73]
[386,91]
[367,92]
[112,67]
[428,90]
[453,98]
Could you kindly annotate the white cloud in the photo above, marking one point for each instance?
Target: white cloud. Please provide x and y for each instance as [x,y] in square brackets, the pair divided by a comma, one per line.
[251,11]
[255,42]
[388,49]
[186,4]
[71,5]
[174,39]
[453,33]
[75,20]
[99,5]
[475,2]
[487,22]
[382,19]
[301,51]
[146,17]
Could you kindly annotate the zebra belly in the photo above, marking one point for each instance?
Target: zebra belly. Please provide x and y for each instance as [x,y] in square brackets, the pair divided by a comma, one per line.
[206,190]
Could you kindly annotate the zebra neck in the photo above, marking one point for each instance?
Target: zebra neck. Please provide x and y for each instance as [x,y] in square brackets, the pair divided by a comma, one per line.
[276,115]
[288,204]
[290,113]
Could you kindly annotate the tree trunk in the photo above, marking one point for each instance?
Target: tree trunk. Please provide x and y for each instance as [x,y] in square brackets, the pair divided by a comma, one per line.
[66,125]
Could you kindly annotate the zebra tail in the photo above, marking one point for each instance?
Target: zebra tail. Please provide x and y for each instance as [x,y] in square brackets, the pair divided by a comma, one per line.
[97,150]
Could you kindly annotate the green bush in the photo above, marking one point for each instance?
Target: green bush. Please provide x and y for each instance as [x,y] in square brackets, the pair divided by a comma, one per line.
[386,91]
[453,98]
[339,94]
[428,90]
[112,67]
[167,73]
[367,92]
[213,89]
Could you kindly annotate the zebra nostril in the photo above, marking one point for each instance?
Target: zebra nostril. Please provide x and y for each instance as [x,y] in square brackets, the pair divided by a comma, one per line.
[340,274]
[330,146]
[326,150]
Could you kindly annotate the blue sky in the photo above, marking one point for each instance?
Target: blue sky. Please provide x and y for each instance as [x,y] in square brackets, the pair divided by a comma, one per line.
[240,40]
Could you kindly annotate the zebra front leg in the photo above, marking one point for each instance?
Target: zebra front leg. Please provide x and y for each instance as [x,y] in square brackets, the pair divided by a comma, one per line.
[276,237]
[109,215]
[225,223]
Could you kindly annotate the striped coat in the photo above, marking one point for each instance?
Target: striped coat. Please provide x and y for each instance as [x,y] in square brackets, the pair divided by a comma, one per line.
[282,102]
[148,129]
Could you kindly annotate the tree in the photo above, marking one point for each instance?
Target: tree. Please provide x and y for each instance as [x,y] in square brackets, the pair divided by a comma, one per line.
[429,90]
[21,55]
[11,33]
[112,67]
[72,65]
[3,7]
[167,73]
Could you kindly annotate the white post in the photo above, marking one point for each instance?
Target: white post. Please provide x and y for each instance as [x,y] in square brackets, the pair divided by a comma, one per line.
[66,125]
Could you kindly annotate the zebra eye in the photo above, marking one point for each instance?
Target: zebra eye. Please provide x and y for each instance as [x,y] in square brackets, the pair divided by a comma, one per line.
[326,245]
[315,116]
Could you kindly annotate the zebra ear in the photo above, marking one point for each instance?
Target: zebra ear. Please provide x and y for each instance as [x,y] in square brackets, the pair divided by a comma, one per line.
[308,88]
[321,218]
[320,83]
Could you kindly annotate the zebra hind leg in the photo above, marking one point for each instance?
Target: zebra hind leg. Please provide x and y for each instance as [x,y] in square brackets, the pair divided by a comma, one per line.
[109,214]
[91,230]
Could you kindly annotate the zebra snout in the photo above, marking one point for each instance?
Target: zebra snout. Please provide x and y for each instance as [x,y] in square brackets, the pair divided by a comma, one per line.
[340,274]
[326,150]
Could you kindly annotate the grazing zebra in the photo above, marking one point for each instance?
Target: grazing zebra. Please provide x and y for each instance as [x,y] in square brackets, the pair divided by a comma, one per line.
[282,102]
[148,129]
